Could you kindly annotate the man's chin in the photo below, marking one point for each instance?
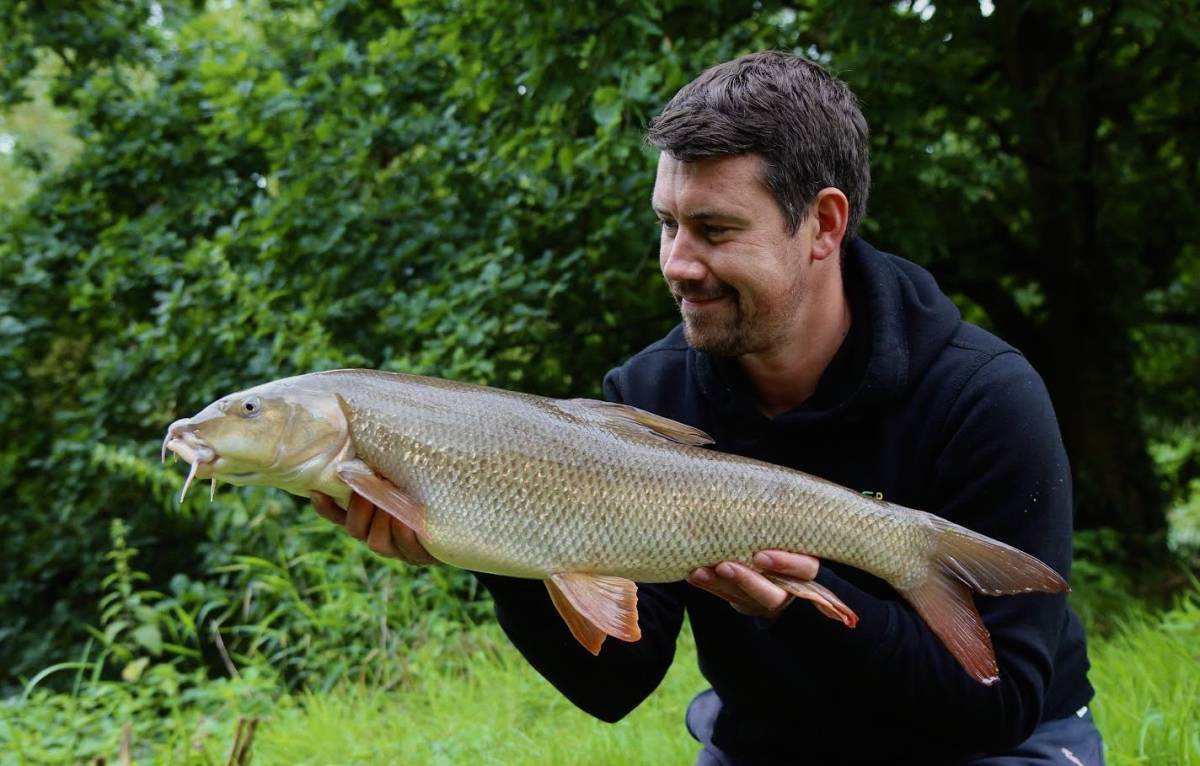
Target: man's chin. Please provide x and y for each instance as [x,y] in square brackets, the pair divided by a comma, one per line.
[711,340]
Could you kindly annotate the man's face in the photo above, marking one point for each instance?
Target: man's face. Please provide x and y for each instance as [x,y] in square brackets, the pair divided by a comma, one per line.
[733,266]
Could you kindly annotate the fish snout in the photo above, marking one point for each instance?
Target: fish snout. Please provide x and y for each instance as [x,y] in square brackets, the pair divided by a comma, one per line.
[183,440]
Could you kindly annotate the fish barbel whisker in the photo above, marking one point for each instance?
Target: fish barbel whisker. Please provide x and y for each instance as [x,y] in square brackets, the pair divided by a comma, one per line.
[187,482]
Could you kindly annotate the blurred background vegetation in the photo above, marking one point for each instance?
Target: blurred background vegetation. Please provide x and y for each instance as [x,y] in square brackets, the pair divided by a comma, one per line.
[198,196]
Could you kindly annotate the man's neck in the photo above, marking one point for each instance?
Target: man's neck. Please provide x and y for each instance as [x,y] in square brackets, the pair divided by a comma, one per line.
[787,375]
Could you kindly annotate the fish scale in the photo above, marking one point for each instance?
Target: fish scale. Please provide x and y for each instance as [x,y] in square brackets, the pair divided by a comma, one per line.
[523,476]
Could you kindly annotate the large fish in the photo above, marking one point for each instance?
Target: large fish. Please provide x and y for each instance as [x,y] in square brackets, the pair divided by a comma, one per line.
[589,497]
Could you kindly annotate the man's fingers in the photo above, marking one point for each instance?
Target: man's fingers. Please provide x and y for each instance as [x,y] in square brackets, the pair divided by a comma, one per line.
[796,565]
[382,534]
[379,536]
[358,517]
[323,504]
[408,546]
[731,590]
[759,589]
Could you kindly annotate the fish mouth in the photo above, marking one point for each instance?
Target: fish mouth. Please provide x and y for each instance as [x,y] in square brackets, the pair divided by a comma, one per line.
[182,440]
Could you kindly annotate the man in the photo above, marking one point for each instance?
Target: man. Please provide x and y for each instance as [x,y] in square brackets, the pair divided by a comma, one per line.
[803,346]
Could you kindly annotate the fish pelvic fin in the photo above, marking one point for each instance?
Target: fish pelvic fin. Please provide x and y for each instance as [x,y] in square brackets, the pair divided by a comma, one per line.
[826,602]
[963,561]
[624,420]
[396,502]
[596,606]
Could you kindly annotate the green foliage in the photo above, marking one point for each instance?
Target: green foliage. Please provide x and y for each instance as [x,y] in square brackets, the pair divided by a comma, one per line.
[1101,582]
[473,699]
[85,37]
[292,197]
[321,611]
[172,717]
[1147,680]
[35,142]
[1177,455]
[461,190]
[488,706]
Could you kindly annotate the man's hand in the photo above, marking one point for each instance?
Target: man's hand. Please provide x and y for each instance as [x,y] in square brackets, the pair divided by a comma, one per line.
[383,534]
[747,590]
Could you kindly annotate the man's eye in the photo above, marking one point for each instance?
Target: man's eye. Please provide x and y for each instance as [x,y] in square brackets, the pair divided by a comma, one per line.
[669,226]
[715,231]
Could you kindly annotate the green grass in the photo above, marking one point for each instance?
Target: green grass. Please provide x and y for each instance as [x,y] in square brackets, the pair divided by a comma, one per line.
[470,698]
[1147,676]
[491,709]
[1147,679]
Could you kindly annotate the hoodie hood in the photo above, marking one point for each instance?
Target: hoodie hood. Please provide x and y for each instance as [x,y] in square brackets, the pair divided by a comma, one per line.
[901,320]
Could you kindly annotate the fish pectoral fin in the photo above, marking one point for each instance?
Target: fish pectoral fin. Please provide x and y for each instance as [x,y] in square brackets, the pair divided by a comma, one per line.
[623,419]
[825,600]
[595,606]
[397,503]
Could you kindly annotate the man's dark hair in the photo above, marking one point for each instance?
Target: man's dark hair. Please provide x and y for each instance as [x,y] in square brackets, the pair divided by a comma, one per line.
[804,122]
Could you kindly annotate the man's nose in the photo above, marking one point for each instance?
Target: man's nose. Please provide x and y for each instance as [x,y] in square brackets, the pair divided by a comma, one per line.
[683,258]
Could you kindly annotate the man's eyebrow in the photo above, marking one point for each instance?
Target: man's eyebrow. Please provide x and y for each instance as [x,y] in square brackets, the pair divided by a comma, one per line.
[705,214]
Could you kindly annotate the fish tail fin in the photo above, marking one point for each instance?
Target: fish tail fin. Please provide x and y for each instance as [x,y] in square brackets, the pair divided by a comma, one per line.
[963,561]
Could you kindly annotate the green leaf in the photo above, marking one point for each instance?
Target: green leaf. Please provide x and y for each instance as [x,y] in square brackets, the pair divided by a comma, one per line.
[149,637]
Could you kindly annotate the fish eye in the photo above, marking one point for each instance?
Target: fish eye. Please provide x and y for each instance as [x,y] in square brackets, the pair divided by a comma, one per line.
[250,407]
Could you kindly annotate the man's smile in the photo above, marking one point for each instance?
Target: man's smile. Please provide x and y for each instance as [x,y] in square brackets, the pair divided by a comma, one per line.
[698,302]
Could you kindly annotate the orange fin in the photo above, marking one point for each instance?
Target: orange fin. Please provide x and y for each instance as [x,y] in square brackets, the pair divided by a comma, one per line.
[623,419]
[584,631]
[400,505]
[822,598]
[946,605]
[595,606]
[989,566]
[962,561]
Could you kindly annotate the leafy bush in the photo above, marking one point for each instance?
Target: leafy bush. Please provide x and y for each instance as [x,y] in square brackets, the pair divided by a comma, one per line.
[291,192]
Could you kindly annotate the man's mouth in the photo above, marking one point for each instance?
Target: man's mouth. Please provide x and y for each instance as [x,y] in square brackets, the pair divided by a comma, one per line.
[700,298]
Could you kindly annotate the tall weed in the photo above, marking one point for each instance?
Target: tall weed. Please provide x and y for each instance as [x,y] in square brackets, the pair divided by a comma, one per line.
[1147,679]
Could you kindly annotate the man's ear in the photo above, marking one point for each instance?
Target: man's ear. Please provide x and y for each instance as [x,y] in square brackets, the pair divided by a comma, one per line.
[828,216]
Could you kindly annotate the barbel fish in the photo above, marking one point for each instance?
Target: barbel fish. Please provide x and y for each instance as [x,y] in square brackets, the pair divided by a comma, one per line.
[590,497]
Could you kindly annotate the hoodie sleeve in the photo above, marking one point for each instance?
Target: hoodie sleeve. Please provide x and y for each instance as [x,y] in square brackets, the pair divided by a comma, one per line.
[1002,471]
[607,686]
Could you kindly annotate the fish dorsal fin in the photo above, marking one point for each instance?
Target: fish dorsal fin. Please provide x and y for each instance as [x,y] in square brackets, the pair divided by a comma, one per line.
[595,606]
[398,504]
[624,419]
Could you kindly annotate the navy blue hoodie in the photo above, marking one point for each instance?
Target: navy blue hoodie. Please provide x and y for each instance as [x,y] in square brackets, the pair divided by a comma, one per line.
[934,413]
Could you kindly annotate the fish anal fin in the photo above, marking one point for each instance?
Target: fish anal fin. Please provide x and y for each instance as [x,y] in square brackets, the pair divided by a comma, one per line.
[595,606]
[397,503]
[585,632]
[624,419]
[825,600]
[947,607]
